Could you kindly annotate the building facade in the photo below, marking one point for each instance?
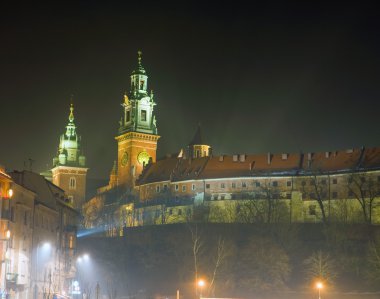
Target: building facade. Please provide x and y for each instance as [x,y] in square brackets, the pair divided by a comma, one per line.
[38,234]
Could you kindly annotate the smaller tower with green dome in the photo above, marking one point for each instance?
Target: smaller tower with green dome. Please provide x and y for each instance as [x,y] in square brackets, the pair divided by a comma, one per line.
[69,166]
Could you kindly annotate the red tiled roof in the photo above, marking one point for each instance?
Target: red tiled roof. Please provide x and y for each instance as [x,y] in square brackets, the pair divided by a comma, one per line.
[178,169]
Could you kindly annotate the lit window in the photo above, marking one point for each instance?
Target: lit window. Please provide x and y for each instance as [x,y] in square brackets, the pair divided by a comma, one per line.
[73,183]
[143,115]
[71,242]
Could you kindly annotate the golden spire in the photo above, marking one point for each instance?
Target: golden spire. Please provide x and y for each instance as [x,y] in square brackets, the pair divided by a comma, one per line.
[139,53]
[71,116]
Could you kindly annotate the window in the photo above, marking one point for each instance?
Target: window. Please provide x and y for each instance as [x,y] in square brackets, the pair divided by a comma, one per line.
[72,183]
[128,116]
[71,242]
[323,181]
[335,181]
[197,154]
[158,188]
[71,199]
[179,212]
[233,185]
[193,187]
[288,195]
[257,184]
[222,185]
[207,186]
[143,115]
[183,188]
[244,185]
[289,183]
[176,187]
[141,84]
[165,187]
[335,195]
[274,183]
[170,211]
[312,210]
[222,197]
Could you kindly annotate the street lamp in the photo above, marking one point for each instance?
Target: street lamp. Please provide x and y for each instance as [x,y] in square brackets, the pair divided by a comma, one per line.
[201,284]
[82,261]
[319,286]
[44,246]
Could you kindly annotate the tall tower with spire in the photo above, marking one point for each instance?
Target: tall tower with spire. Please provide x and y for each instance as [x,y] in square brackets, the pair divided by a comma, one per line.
[69,166]
[137,136]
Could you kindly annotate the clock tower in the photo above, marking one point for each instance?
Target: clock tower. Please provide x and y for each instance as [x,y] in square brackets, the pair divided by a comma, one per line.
[137,138]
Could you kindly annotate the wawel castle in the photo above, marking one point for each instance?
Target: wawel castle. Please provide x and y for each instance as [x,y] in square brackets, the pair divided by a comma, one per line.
[195,185]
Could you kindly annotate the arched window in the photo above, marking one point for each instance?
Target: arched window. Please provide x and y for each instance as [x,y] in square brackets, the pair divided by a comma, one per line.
[73,183]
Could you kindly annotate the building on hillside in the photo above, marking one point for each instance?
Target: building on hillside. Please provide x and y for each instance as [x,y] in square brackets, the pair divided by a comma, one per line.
[69,170]
[39,255]
[195,185]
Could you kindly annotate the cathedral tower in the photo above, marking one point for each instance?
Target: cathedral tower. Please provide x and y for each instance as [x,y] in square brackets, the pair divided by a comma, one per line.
[69,167]
[137,138]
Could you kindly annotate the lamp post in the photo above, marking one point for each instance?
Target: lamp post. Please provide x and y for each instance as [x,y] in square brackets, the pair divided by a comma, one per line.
[319,286]
[45,246]
[201,283]
[78,288]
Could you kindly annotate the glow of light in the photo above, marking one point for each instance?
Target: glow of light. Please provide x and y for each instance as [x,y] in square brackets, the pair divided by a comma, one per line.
[86,257]
[79,259]
[10,193]
[46,245]
[319,285]
[8,234]
[201,283]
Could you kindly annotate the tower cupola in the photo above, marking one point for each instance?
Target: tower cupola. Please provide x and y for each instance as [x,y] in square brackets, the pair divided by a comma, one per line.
[69,149]
[197,148]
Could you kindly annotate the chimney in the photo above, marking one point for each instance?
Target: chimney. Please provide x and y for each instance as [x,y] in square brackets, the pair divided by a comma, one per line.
[284,156]
[242,158]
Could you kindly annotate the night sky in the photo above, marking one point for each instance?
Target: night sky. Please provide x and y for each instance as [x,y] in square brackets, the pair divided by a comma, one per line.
[260,77]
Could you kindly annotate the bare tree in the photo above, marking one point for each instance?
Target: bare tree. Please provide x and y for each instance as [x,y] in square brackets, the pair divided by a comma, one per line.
[196,246]
[111,289]
[320,265]
[365,188]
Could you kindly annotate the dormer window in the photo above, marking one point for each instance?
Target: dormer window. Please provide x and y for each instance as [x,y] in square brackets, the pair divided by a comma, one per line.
[143,115]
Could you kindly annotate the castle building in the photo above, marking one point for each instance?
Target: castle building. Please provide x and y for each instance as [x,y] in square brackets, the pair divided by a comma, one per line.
[69,170]
[195,185]
[137,136]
